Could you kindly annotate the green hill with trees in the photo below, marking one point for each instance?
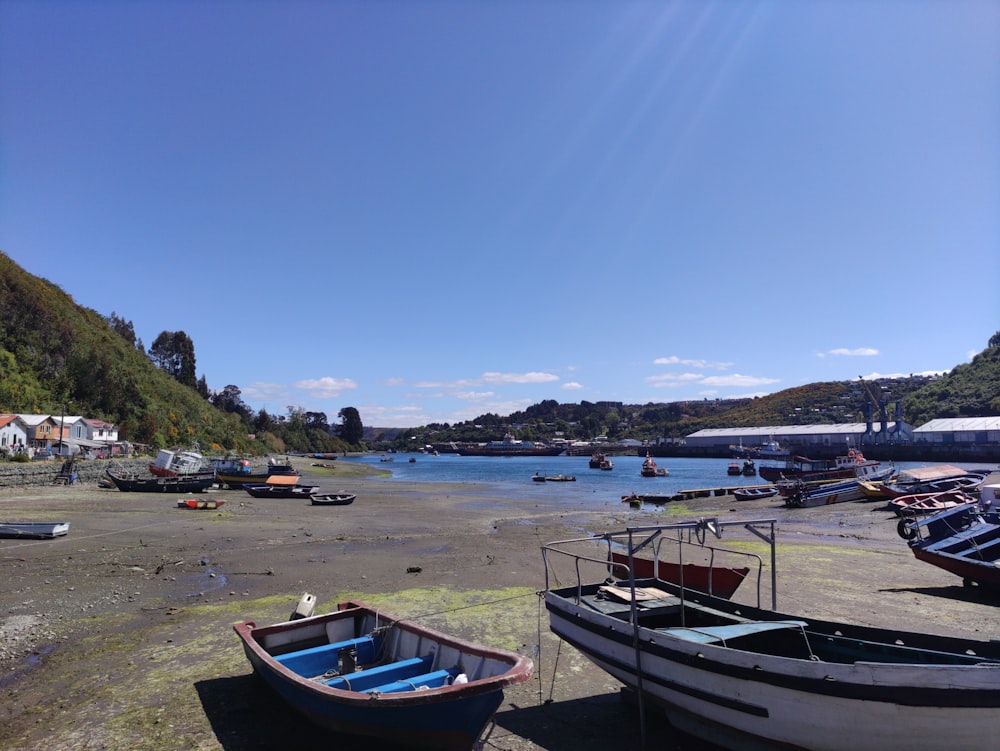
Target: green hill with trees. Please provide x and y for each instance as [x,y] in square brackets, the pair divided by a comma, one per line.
[57,357]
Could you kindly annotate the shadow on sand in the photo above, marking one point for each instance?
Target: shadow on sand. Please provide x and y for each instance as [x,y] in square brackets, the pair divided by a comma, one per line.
[244,714]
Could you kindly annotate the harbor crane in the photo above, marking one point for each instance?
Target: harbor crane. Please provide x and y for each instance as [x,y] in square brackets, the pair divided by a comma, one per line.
[875,401]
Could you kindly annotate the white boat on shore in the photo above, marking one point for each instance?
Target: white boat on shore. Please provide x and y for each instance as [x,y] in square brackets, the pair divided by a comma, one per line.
[744,677]
[34,530]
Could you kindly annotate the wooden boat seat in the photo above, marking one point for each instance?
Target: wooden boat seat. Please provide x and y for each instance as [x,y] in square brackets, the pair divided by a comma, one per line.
[976,547]
[428,680]
[317,660]
[364,680]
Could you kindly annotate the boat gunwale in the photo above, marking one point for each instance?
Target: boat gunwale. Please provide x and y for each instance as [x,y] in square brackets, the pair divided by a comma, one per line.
[520,668]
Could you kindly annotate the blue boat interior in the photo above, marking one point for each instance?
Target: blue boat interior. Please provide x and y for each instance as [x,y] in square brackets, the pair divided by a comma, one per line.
[957,532]
[326,658]
[326,662]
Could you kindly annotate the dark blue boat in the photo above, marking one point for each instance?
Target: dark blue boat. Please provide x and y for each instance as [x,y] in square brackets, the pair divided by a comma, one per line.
[362,672]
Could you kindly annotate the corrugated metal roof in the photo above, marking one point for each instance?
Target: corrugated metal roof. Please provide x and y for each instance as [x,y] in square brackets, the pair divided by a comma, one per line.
[786,430]
[957,424]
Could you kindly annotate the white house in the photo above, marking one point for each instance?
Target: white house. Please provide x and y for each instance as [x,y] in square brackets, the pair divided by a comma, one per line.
[100,431]
[13,434]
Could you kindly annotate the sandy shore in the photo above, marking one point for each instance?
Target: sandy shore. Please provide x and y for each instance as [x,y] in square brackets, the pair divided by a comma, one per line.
[119,635]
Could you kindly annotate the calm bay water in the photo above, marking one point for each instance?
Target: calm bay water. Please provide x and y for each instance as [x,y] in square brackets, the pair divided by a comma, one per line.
[511,476]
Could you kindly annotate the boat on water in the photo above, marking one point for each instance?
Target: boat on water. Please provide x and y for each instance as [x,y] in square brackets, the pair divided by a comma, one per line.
[129,483]
[538,477]
[362,672]
[964,540]
[33,530]
[597,459]
[771,449]
[742,676]
[747,468]
[649,468]
[179,462]
[332,499]
[509,446]
[755,493]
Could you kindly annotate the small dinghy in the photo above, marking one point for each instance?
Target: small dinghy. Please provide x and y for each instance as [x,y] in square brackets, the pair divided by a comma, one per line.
[363,672]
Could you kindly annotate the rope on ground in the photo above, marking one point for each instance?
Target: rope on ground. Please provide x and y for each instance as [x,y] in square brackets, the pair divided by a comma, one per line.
[467,607]
[88,537]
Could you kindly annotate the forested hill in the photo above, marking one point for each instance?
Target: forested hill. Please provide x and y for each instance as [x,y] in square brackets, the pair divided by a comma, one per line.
[56,355]
[969,390]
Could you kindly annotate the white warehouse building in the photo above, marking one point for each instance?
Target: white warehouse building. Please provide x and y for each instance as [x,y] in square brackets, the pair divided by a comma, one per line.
[845,435]
[960,430]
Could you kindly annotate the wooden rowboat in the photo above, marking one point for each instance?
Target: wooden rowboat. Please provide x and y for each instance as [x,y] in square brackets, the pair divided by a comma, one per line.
[363,672]
[750,494]
[332,499]
[36,530]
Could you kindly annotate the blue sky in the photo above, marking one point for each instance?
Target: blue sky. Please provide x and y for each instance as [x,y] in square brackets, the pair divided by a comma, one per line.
[433,210]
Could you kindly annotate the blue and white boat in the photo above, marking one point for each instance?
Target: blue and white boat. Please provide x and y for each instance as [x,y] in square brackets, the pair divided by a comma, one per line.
[745,677]
[363,672]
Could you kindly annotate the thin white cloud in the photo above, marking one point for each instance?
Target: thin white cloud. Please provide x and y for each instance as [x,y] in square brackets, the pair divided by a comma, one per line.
[326,387]
[571,386]
[674,360]
[736,379]
[474,396]
[674,379]
[671,380]
[533,377]
[264,392]
[845,352]
[490,377]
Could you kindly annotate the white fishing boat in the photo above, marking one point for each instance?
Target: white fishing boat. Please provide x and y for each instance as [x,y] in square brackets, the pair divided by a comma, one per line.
[745,677]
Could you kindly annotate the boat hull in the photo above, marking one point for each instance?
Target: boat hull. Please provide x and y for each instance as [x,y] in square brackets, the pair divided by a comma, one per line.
[237,480]
[962,540]
[751,494]
[34,530]
[747,699]
[332,499]
[717,580]
[445,718]
[175,484]
[266,490]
